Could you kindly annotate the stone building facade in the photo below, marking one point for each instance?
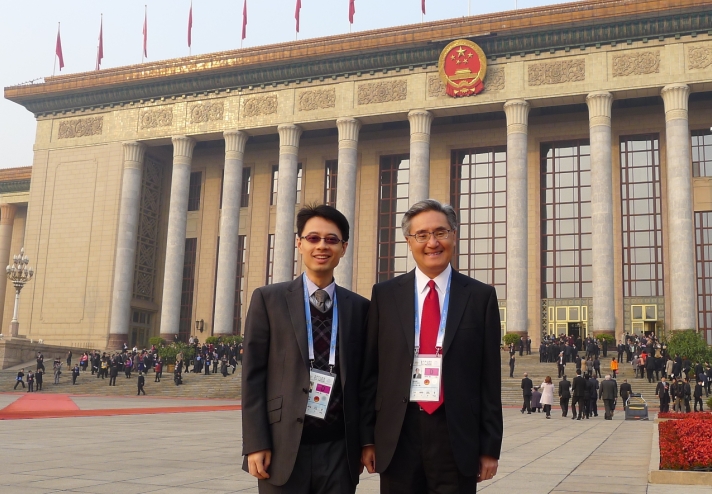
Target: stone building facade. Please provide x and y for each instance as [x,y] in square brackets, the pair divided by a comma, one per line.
[163,194]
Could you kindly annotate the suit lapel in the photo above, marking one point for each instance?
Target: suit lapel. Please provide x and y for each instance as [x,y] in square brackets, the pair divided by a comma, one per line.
[456,307]
[405,302]
[345,307]
[295,303]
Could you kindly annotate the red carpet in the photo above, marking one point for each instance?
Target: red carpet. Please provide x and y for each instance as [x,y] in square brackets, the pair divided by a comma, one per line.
[57,406]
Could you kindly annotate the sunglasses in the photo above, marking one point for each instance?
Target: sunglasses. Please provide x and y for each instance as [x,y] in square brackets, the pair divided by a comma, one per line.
[315,239]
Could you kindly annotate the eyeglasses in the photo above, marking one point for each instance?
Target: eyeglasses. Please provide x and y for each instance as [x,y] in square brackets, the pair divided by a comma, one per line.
[422,237]
[315,239]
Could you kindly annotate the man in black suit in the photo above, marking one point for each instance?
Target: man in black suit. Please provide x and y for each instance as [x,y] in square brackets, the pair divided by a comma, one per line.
[527,386]
[564,396]
[608,392]
[579,387]
[626,390]
[302,360]
[511,366]
[561,364]
[447,437]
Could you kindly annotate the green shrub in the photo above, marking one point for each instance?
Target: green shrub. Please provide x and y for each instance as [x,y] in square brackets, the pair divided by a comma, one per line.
[511,338]
[212,340]
[156,341]
[689,343]
[709,403]
[605,336]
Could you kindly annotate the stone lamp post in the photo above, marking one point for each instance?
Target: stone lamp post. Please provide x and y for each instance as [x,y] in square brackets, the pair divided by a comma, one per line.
[19,273]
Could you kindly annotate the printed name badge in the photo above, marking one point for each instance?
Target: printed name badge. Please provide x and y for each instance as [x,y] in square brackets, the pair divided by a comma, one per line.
[321,384]
[425,384]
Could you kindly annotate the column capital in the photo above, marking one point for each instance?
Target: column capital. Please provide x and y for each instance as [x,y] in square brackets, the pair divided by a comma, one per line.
[599,108]
[676,98]
[348,129]
[517,111]
[7,214]
[134,152]
[420,121]
[183,146]
[235,141]
[289,135]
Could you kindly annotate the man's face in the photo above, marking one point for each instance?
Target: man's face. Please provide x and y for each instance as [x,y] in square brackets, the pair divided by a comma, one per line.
[433,256]
[321,257]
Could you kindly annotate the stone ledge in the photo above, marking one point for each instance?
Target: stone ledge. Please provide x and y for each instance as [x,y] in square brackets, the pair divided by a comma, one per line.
[19,351]
[677,477]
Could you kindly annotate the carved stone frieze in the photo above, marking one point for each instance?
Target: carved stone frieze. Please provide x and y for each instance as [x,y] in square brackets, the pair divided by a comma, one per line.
[260,105]
[382,92]
[318,99]
[494,80]
[699,57]
[436,88]
[206,112]
[156,117]
[81,127]
[560,72]
[642,63]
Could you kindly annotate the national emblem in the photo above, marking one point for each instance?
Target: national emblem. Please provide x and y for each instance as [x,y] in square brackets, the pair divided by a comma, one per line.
[463,66]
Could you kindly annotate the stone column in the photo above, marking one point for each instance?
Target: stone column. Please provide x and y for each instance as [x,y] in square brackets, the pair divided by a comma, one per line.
[235,141]
[175,241]
[599,119]
[517,112]
[419,183]
[283,269]
[126,244]
[7,220]
[346,196]
[679,205]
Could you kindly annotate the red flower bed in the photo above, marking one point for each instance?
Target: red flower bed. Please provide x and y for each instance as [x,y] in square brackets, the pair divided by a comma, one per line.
[686,444]
[693,415]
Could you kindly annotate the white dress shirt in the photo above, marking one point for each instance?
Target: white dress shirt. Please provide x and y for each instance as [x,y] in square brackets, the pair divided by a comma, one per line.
[330,289]
[421,283]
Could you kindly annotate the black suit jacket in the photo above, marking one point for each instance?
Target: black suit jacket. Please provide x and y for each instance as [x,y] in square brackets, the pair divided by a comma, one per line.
[579,386]
[275,374]
[565,389]
[527,386]
[471,369]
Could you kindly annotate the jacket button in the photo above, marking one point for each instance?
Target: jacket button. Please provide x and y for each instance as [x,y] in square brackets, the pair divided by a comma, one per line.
[300,420]
[306,391]
[405,400]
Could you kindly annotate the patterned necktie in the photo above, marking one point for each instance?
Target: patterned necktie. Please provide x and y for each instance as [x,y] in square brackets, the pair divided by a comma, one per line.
[322,298]
[430,323]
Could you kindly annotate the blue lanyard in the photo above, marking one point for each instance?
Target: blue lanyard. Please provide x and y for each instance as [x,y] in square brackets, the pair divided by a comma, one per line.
[310,334]
[443,318]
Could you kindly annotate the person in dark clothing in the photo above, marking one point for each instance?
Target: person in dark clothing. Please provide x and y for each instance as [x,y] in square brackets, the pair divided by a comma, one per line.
[650,367]
[579,395]
[511,366]
[69,358]
[223,366]
[625,392]
[521,346]
[698,396]
[39,375]
[687,394]
[597,367]
[564,396]
[662,391]
[527,386]
[20,379]
[113,373]
[75,374]
[30,381]
[141,381]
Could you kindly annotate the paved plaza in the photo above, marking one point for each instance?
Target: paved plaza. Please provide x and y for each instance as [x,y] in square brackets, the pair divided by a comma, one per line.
[199,452]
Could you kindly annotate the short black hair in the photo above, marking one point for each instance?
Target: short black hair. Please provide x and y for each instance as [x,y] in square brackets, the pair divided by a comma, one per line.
[329,213]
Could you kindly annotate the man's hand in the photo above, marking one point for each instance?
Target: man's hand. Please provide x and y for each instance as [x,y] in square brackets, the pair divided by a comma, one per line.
[488,468]
[258,463]
[368,458]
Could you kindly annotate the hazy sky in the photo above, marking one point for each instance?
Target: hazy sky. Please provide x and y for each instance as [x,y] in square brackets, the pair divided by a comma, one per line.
[28,31]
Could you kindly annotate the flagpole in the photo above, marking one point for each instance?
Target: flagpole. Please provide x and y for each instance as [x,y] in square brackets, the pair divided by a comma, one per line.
[55,54]
[469,7]
[145,20]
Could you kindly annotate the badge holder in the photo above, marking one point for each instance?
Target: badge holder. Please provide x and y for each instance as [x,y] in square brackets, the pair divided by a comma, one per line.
[425,383]
[321,385]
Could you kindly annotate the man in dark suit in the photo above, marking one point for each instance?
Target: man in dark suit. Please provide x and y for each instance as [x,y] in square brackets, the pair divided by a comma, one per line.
[608,392]
[564,396]
[579,387]
[511,366]
[527,386]
[302,360]
[449,440]
[626,390]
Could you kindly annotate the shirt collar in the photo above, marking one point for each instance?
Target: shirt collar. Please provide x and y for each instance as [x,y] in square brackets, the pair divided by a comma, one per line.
[422,279]
[311,287]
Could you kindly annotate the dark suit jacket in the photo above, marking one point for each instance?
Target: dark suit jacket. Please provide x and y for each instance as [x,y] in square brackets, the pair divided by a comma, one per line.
[626,390]
[579,386]
[275,374]
[527,386]
[565,389]
[471,369]
[608,390]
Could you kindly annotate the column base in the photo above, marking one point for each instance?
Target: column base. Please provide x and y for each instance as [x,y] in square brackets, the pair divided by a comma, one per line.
[14,329]
[116,341]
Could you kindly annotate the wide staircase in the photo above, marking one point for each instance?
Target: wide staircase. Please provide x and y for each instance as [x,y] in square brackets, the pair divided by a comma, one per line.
[512,391]
[217,386]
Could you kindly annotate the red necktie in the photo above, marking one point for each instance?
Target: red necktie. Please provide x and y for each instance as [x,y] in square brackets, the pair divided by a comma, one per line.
[430,323]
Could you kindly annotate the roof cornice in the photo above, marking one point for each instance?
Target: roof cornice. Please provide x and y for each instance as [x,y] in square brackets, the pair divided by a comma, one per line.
[579,24]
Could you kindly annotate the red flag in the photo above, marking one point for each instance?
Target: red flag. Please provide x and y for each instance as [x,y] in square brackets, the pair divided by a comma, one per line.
[296,13]
[423,6]
[190,25]
[352,10]
[145,35]
[100,51]
[244,20]
[58,50]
